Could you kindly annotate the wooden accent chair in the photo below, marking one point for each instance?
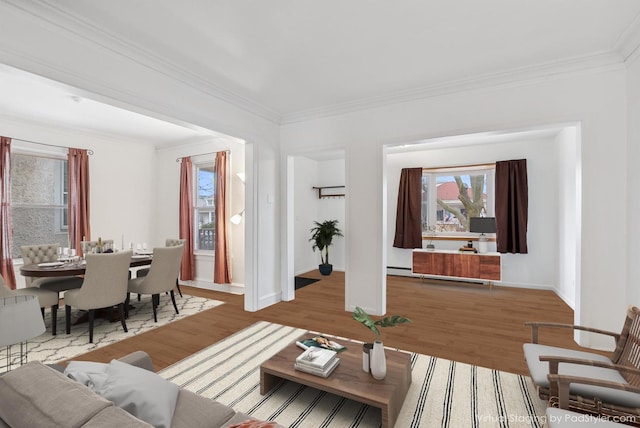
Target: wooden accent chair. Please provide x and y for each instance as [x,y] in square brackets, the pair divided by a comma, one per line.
[588,381]
[162,276]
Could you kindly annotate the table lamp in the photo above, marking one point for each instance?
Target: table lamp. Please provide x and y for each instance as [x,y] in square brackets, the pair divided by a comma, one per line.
[21,320]
[482,225]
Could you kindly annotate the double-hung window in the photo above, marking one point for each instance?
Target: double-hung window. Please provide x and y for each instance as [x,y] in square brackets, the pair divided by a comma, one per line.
[450,196]
[39,192]
[205,210]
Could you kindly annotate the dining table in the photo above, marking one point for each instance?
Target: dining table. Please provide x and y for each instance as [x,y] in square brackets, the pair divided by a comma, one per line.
[75,267]
[72,267]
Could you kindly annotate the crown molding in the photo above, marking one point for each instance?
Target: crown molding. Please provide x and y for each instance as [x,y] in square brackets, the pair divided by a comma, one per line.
[61,20]
[65,131]
[628,44]
[626,50]
[514,77]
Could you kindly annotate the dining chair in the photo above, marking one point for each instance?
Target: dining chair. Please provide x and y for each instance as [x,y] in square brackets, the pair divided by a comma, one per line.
[45,298]
[104,286]
[43,253]
[169,242]
[162,277]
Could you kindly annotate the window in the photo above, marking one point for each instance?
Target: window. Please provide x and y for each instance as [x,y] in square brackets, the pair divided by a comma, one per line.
[450,196]
[39,192]
[205,210]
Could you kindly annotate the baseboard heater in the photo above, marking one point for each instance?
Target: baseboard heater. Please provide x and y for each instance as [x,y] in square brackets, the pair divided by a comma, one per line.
[399,271]
[407,271]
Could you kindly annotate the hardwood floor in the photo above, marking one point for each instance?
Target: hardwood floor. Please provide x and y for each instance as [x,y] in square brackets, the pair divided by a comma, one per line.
[467,323]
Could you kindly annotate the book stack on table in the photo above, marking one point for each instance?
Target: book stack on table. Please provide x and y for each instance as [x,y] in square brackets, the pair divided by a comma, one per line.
[317,361]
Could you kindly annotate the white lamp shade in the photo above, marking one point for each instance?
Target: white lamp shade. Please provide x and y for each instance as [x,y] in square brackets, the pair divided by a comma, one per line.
[236,219]
[20,319]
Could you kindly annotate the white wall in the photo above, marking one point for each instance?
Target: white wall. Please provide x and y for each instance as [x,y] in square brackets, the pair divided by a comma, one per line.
[331,173]
[305,212]
[569,183]
[538,268]
[115,164]
[633,160]
[596,99]
[308,208]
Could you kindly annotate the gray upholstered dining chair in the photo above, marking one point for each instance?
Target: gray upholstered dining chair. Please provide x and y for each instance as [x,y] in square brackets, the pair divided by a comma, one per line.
[169,242]
[43,253]
[104,286]
[45,298]
[161,278]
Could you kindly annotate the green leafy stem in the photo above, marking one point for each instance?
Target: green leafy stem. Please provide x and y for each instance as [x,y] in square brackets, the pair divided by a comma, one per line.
[361,316]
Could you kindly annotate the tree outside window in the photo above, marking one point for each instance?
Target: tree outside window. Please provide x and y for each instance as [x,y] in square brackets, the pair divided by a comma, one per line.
[451,198]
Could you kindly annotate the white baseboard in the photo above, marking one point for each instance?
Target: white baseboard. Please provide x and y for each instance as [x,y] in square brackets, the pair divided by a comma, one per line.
[208,285]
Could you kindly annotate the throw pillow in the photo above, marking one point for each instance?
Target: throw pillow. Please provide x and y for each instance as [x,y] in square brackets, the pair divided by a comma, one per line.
[140,392]
[88,373]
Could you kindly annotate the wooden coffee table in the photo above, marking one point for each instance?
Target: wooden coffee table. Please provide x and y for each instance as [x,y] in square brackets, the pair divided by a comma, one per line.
[348,379]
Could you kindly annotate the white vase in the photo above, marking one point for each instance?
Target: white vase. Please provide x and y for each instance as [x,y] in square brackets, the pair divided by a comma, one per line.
[378,361]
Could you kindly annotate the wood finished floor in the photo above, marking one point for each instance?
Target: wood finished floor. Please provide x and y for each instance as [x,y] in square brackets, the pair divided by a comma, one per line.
[466,323]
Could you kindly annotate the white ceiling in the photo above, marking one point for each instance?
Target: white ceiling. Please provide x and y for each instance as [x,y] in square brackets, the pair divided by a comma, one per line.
[294,58]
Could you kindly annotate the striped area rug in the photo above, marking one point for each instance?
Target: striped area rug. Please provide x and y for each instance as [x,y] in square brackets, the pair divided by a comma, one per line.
[443,393]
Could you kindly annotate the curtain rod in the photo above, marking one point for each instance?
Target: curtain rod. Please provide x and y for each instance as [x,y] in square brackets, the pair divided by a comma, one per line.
[477,165]
[45,144]
[203,154]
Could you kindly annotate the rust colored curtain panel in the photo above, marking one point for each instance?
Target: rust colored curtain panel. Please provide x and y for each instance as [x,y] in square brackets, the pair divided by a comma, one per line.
[78,204]
[6,234]
[188,267]
[221,268]
[409,211]
[512,206]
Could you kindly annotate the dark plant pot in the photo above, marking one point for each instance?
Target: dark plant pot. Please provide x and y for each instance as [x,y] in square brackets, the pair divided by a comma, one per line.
[325,269]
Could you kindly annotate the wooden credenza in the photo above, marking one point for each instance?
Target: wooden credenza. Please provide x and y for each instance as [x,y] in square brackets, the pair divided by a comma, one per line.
[485,267]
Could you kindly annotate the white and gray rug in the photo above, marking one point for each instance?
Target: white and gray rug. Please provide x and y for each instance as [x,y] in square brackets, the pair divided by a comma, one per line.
[443,393]
[51,349]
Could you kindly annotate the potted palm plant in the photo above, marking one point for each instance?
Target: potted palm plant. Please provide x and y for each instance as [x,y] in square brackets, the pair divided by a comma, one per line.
[322,235]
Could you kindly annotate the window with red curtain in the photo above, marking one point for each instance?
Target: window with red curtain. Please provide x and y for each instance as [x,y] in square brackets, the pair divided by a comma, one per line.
[79,201]
[512,205]
[187,269]
[6,238]
[222,269]
[409,211]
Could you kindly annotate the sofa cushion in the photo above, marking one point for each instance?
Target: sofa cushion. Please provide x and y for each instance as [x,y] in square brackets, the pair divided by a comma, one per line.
[196,411]
[36,395]
[140,392]
[540,369]
[115,417]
